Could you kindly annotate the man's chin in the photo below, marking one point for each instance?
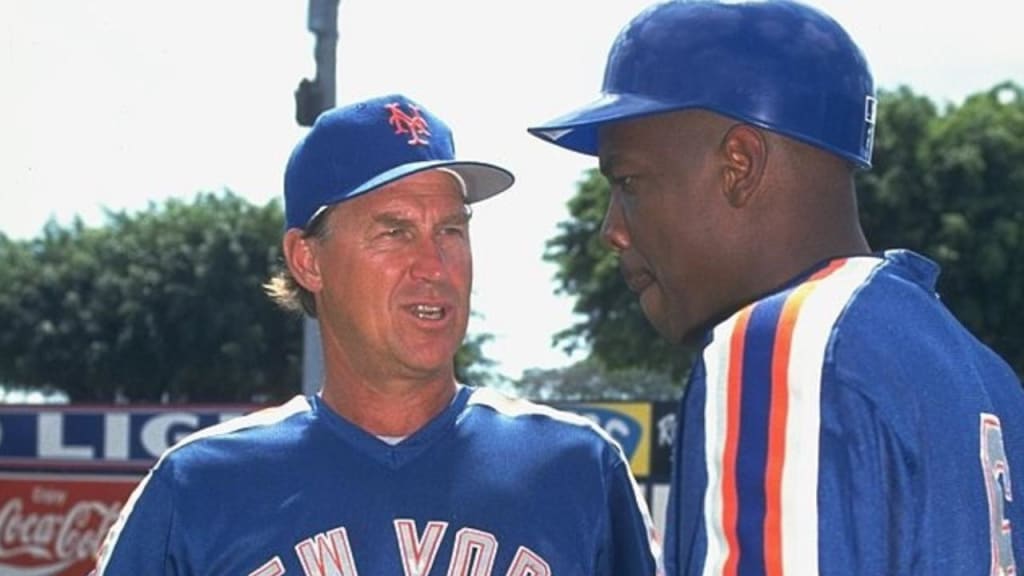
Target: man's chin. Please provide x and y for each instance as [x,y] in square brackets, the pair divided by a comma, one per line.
[697,333]
[692,338]
[688,335]
[661,324]
[684,339]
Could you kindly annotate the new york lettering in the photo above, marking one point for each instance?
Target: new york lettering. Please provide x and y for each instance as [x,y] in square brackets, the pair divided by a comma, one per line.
[473,554]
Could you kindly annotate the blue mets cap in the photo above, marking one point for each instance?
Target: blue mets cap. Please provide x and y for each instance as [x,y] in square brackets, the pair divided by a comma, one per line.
[778,64]
[354,149]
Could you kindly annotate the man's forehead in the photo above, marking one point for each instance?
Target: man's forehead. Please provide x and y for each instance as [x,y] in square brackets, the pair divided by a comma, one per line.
[438,181]
[408,197]
[625,141]
[642,139]
[615,155]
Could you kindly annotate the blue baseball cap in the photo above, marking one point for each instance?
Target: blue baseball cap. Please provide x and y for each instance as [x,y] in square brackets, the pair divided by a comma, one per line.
[354,149]
[784,66]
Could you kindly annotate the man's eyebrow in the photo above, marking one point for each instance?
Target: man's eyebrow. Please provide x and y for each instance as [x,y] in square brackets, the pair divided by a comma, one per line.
[460,217]
[397,219]
[390,219]
[607,164]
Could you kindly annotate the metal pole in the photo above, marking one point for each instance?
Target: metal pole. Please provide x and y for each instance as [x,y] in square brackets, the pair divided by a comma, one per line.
[315,96]
[323,21]
[311,98]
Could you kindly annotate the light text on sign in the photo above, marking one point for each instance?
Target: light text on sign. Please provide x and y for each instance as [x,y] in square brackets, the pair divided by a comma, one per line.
[101,437]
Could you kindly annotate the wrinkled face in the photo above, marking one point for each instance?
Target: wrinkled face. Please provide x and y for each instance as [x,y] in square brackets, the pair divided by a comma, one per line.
[396,274]
[667,218]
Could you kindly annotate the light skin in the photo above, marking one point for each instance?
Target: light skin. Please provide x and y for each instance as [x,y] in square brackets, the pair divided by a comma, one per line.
[707,213]
[392,282]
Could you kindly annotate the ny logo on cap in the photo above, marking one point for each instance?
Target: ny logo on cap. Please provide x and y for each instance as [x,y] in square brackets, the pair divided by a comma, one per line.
[415,126]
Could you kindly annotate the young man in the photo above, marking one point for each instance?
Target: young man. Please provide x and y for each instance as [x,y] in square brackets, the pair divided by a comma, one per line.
[395,467]
[839,419]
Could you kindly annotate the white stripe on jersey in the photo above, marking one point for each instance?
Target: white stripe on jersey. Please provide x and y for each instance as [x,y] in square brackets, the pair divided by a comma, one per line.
[514,407]
[811,335]
[265,417]
[716,366]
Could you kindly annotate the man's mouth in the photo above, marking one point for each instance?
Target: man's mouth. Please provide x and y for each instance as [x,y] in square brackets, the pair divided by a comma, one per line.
[428,311]
[638,281]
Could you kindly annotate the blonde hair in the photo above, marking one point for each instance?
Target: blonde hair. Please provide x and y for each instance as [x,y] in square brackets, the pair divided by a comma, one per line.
[283,288]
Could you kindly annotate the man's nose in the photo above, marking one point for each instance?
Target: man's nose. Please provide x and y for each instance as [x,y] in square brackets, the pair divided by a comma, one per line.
[613,229]
[430,260]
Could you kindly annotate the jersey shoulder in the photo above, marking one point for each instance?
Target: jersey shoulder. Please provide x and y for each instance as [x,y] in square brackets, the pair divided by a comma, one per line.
[540,424]
[265,430]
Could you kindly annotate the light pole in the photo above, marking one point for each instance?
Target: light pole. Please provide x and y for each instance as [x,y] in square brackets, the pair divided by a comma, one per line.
[314,96]
[311,98]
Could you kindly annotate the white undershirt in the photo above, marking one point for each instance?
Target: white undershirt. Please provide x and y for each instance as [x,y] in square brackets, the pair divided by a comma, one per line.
[392,440]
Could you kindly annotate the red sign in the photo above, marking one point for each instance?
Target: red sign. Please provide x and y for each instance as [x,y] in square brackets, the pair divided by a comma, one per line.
[52,525]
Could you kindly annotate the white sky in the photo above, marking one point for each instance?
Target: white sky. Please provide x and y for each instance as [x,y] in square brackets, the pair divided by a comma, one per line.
[119,103]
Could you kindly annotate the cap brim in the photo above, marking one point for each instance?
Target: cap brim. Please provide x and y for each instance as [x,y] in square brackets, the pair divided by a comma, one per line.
[482,180]
[578,129]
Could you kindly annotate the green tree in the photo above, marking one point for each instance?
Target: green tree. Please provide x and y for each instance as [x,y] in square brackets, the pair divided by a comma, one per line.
[162,305]
[590,381]
[948,184]
[951,185]
[613,326]
[472,366]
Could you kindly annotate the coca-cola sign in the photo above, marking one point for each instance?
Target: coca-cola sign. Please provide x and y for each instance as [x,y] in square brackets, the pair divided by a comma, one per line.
[53,525]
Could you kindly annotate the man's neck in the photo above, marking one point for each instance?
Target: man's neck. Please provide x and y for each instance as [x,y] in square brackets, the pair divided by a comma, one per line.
[391,409]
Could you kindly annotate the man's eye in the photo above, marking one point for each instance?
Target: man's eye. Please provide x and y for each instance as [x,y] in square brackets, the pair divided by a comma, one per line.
[623,184]
[392,232]
[459,231]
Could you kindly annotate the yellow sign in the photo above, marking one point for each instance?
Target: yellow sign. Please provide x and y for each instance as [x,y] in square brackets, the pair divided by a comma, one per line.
[629,424]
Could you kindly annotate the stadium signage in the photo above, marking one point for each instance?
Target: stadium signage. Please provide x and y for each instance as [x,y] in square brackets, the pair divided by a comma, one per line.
[66,437]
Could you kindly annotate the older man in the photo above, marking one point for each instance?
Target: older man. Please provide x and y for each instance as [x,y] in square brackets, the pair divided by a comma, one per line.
[395,467]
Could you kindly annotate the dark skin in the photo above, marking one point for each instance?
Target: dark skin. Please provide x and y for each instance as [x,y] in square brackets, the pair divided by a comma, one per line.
[707,214]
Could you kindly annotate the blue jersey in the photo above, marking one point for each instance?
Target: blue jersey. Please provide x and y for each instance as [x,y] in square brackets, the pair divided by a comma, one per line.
[848,424]
[491,486]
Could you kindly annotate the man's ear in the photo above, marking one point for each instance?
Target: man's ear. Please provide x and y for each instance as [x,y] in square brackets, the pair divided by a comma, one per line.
[745,151]
[301,258]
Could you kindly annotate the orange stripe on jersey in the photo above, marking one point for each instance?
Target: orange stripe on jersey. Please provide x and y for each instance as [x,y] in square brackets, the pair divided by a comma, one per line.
[832,267]
[777,419]
[730,498]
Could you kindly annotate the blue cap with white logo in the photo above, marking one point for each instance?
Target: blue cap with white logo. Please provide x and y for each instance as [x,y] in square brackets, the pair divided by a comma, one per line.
[354,149]
[782,65]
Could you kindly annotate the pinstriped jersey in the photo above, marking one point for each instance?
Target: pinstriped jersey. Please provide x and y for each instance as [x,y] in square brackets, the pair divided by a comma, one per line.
[848,424]
[491,486]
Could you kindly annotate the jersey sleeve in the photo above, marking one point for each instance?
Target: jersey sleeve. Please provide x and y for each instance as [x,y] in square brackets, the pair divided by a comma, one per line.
[867,509]
[631,544]
[140,541]
[802,474]
[844,507]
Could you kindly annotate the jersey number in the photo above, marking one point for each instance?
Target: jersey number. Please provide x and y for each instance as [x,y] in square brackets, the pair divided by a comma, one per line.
[997,483]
